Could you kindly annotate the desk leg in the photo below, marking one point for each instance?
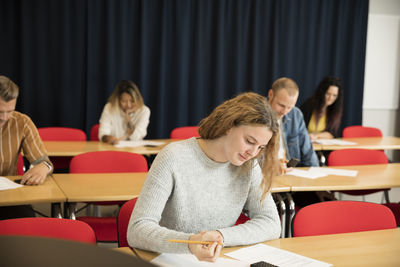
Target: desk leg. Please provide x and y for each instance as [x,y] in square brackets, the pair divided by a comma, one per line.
[69,210]
[282,212]
[56,210]
[290,214]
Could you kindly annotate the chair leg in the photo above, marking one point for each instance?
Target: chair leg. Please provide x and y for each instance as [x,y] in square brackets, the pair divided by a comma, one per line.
[282,212]
[290,215]
[386,195]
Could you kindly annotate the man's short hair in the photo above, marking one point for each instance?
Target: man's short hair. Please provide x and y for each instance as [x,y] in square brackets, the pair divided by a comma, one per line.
[287,84]
[8,89]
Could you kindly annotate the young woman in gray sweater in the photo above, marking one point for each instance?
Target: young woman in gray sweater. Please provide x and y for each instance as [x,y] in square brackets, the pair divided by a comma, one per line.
[197,188]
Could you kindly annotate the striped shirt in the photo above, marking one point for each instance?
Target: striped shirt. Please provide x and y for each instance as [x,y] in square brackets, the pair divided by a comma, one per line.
[20,134]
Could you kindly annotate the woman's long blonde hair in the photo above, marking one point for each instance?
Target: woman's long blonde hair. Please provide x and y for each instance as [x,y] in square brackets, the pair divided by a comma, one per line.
[247,109]
[130,88]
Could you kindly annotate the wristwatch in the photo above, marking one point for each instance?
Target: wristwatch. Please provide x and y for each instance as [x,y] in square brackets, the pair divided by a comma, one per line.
[45,163]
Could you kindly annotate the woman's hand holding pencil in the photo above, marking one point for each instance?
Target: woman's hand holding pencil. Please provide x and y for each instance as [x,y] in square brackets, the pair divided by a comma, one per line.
[206,245]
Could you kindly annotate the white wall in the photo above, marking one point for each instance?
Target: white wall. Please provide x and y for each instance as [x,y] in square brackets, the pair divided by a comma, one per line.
[382,77]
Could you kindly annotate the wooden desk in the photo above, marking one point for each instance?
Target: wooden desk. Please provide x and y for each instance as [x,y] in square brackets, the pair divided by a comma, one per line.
[370,248]
[91,187]
[73,148]
[377,143]
[378,176]
[48,192]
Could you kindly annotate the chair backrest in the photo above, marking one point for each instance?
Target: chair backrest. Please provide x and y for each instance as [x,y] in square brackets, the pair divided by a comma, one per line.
[357,156]
[20,165]
[108,161]
[94,132]
[361,131]
[185,132]
[49,227]
[334,217]
[61,134]
[123,218]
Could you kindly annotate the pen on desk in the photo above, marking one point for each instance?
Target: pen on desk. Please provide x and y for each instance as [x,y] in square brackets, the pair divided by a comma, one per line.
[193,242]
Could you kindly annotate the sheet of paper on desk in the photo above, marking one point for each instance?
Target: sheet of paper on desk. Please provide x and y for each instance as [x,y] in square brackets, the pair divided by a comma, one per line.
[276,256]
[184,260]
[306,174]
[332,171]
[8,184]
[338,142]
[138,143]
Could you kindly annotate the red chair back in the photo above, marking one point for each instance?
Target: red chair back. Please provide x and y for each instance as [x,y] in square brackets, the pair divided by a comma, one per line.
[94,132]
[20,165]
[49,227]
[185,132]
[361,131]
[334,217]
[346,157]
[123,218]
[61,134]
[107,162]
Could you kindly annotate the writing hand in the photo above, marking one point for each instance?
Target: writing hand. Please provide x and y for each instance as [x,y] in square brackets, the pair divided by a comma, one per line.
[36,175]
[207,252]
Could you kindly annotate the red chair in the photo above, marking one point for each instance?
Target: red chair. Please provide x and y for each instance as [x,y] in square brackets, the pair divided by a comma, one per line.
[20,165]
[94,132]
[185,132]
[124,215]
[346,157]
[106,162]
[49,227]
[395,208]
[334,217]
[61,134]
[361,131]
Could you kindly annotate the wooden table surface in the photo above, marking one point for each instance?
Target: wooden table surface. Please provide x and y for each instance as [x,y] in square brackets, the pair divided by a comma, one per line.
[48,192]
[377,143]
[89,187]
[73,148]
[369,248]
[369,177]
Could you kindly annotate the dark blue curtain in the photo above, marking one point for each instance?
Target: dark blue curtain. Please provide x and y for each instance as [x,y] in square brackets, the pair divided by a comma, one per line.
[186,56]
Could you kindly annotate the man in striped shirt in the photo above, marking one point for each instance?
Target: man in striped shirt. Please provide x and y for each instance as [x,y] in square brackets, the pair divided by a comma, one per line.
[18,133]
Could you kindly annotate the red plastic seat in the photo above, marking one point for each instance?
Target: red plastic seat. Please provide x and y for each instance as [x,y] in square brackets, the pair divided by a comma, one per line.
[395,208]
[334,217]
[361,131]
[346,157]
[106,162]
[49,227]
[123,218]
[185,132]
[94,132]
[20,165]
[61,134]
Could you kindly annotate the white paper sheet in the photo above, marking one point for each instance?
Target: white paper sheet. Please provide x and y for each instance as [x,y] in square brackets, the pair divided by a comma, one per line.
[184,260]
[338,142]
[333,171]
[306,174]
[138,143]
[6,184]
[276,256]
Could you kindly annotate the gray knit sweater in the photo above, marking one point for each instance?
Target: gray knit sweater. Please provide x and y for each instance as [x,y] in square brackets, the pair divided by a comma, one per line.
[186,192]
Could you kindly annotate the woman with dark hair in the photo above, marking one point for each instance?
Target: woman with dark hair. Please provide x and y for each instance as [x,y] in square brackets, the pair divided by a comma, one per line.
[197,188]
[124,117]
[323,111]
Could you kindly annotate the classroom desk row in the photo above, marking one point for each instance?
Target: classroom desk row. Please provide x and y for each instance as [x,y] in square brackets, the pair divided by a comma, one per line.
[369,248]
[73,188]
[73,148]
